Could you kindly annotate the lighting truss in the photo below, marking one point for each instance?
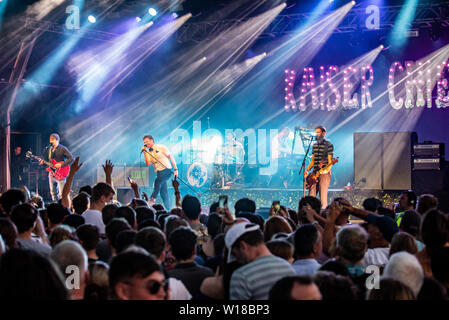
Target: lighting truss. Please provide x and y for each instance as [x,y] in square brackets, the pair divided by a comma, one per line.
[354,21]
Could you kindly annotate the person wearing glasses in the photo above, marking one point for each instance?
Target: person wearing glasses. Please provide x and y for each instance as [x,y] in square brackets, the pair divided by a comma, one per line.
[137,276]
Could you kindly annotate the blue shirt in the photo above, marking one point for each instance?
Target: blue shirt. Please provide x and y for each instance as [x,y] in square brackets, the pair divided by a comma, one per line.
[306,267]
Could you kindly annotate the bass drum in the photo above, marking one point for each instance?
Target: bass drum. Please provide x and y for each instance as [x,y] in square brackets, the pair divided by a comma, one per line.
[198,174]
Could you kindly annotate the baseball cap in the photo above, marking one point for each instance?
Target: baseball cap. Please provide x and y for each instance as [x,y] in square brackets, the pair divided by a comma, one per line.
[385,224]
[235,232]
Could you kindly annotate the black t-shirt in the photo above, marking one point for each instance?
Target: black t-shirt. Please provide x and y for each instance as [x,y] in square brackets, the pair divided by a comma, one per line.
[18,163]
[61,153]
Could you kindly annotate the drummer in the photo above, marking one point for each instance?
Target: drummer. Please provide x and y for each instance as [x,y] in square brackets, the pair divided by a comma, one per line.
[233,150]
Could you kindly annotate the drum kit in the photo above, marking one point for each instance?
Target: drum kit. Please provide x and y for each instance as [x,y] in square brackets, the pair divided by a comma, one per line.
[218,169]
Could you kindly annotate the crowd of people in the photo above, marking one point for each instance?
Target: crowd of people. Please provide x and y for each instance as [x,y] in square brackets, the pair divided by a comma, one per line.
[91,247]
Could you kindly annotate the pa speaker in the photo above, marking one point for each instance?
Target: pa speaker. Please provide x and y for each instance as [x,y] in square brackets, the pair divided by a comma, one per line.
[382,160]
[397,159]
[367,160]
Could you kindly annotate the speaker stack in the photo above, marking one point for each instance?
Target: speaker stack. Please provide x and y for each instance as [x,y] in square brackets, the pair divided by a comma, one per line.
[429,168]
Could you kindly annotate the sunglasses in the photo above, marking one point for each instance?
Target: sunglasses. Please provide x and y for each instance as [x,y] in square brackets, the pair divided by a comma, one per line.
[153,286]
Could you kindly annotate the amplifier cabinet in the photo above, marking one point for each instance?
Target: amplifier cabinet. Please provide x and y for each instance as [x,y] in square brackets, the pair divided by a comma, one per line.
[428,150]
[426,164]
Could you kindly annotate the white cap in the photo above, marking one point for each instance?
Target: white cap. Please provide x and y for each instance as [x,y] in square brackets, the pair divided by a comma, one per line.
[235,232]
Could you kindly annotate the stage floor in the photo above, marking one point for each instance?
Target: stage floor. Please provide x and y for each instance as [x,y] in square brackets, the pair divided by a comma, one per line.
[265,196]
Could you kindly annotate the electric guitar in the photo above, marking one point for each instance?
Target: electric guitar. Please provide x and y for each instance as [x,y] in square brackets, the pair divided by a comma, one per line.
[58,173]
[313,177]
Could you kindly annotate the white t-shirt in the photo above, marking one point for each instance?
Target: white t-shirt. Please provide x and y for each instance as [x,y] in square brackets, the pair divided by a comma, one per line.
[161,153]
[376,256]
[178,290]
[94,217]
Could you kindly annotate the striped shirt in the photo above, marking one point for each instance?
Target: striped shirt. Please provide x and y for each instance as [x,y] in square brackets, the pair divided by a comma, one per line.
[321,151]
[254,280]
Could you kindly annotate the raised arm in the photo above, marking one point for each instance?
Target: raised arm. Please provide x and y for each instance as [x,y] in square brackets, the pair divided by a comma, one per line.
[329,228]
[175,184]
[135,188]
[107,168]
[74,167]
[362,214]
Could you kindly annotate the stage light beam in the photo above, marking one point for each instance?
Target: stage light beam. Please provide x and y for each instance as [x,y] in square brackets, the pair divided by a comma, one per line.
[2,10]
[402,23]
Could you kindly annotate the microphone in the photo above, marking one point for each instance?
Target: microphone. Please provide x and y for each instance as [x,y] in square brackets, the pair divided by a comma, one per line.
[150,149]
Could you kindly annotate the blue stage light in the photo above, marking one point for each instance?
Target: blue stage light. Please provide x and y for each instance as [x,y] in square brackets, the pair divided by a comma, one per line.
[92,19]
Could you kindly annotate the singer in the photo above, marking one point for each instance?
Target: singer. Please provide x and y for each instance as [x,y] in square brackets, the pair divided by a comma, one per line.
[163,162]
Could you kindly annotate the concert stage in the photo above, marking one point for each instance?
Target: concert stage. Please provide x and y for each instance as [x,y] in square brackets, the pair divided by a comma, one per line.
[264,196]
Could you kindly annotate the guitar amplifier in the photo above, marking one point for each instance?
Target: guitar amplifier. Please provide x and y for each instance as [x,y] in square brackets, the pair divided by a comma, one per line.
[426,164]
[428,150]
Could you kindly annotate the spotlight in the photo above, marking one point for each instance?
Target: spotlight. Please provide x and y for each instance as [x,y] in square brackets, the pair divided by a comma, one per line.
[138,19]
[152,12]
[174,15]
[204,58]
[92,19]
[381,46]
[353,3]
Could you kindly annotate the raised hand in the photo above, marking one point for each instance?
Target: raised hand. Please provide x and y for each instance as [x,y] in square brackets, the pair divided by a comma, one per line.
[310,213]
[226,215]
[108,167]
[175,183]
[283,212]
[145,196]
[334,212]
[134,184]
[75,166]
[272,211]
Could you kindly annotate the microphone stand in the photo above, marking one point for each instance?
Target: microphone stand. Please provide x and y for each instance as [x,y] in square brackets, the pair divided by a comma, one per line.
[198,194]
[303,166]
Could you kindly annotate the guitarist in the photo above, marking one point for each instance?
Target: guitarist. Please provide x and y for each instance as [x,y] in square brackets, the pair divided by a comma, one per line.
[59,153]
[322,155]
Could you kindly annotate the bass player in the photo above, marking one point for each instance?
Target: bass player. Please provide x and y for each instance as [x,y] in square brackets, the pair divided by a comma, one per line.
[63,157]
[322,154]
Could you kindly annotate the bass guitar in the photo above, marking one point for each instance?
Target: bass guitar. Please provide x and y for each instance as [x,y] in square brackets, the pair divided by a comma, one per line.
[313,177]
[58,173]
